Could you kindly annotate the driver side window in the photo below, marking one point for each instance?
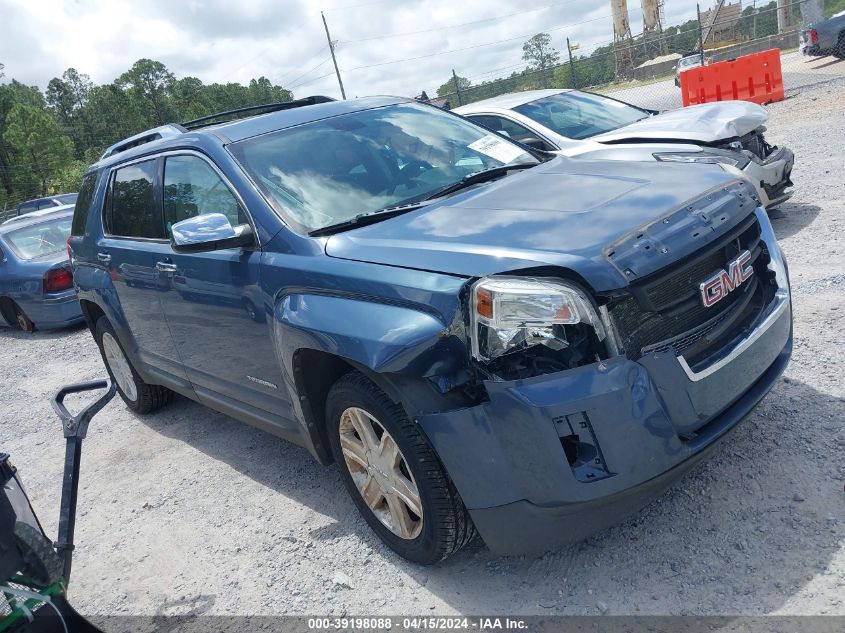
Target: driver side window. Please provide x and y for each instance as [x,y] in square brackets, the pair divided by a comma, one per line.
[192,187]
[512,129]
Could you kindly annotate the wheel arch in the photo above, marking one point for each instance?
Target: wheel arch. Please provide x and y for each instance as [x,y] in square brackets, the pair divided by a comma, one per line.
[407,351]
[92,313]
[7,310]
[314,372]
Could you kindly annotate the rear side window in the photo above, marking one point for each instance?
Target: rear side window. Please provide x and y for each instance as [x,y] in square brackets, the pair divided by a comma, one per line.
[501,124]
[66,198]
[192,187]
[83,204]
[28,207]
[132,209]
[38,240]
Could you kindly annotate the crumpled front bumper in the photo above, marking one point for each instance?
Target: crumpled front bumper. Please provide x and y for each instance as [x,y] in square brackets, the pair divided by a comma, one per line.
[550,460]
[772,177]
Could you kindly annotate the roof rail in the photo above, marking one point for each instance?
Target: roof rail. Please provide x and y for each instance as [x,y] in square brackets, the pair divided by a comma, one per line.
[242,113]
[170,130]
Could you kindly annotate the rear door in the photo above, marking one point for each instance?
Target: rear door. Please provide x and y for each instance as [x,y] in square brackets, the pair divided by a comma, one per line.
[213,304]
[133,241]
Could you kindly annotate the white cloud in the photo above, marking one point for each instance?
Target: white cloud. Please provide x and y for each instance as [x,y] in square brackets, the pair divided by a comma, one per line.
[221,41]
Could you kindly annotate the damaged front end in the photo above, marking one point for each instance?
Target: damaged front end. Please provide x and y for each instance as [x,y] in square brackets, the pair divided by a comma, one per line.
[595,402]
[769,167]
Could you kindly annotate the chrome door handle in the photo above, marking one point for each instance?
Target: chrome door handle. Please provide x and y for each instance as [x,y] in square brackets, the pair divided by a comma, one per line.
[104,257]
[164,267]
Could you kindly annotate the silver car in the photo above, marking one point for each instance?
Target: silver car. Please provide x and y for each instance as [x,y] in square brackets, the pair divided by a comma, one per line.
[685,63]
[586,125]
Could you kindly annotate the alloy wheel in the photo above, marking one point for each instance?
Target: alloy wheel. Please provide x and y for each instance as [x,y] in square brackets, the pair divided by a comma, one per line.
[381,473]
[119,366]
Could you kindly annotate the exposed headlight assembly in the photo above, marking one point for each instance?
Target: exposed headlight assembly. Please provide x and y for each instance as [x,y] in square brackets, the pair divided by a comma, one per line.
[511,314]
[709,157]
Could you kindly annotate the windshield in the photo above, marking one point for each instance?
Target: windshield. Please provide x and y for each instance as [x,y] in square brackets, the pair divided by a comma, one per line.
[37,240]
[580,115]
[329,171]
[690,61]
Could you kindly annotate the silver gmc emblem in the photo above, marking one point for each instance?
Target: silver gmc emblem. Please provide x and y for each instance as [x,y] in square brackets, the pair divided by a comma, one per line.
[722,283]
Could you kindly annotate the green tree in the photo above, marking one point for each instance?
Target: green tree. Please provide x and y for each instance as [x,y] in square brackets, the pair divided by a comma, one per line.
[67,98]
[187,98]
[113,115]
[450,87]
[10,171]
[37,142]
[149,83]
[263,91]
[69,176]
[541,57]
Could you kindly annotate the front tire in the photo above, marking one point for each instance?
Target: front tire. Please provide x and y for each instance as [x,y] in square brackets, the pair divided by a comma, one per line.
[138,395]
[393,475]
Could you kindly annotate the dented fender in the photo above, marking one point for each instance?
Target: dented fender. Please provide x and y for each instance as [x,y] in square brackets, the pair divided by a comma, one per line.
[385,338]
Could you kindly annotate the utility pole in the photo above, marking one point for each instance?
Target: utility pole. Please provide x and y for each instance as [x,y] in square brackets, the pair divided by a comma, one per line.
[334,60]
[700,33]
[457,88]
[754,20]
[571,65]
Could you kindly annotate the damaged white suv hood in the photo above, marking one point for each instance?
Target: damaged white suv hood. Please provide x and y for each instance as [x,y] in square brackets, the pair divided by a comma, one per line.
[705,123]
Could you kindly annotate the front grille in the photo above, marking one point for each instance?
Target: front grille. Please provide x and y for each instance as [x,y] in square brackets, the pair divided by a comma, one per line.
[664,311]
[664,290]
[681,285]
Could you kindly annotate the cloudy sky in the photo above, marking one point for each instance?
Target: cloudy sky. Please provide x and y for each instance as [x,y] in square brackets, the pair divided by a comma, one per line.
[384,46]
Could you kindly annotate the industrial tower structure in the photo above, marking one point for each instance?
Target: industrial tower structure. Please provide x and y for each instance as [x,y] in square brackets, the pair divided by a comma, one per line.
[622,40]
[653,18]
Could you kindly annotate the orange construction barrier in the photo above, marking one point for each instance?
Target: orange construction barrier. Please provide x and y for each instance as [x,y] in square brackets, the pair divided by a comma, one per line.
[756,77]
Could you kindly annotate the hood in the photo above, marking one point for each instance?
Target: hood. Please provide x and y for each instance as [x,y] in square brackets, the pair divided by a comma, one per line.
[704,123]
[564,213]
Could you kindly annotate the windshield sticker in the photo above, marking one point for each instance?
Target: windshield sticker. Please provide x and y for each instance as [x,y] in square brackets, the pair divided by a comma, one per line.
[495,147]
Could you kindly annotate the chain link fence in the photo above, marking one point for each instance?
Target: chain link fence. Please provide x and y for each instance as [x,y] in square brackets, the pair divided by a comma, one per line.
[642,70]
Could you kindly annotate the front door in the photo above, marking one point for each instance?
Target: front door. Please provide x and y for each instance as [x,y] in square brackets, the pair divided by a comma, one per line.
[213,303]
[133,238]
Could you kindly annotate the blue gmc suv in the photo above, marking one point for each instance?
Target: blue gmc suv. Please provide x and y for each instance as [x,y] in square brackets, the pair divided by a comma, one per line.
[483,338]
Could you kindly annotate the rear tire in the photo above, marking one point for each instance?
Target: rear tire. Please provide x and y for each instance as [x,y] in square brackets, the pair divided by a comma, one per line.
[138,395]
[412,504]
[22,320]
[839,51]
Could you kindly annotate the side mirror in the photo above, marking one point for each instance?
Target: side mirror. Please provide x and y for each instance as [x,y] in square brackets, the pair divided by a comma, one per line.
[209,232]
[534,142]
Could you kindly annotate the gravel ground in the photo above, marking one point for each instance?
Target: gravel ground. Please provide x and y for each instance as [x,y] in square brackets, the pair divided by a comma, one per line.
[188,510]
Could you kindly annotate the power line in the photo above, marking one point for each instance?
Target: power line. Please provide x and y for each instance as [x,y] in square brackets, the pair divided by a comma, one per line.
[293,83]
[316,79]
[262,52]
[474,46]
[310,59]
[456,26]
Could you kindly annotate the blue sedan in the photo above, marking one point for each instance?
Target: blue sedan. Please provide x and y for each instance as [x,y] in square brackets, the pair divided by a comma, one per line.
[36,282]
